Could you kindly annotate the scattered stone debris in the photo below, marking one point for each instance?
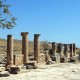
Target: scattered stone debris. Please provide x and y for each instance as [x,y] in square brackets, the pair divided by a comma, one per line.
[59,53]
[14,70]
[2,69]
[4,74]
[31,65]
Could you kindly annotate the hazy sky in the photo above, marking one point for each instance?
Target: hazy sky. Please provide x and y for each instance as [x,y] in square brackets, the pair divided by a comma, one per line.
[55,20]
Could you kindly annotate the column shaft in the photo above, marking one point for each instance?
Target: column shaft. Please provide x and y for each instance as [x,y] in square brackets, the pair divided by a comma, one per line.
[9,50]
[36,47]
[66,50]
[74,49]
[54,48]
[71,50]
[25,46]
[60,49]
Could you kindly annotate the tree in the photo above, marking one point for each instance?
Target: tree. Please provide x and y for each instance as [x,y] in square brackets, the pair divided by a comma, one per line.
[6,19]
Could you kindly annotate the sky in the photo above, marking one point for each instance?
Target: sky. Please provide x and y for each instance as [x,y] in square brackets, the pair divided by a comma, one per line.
[56,20]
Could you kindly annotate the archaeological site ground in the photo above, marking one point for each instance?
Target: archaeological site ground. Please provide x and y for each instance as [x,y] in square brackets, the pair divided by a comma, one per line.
[19,57]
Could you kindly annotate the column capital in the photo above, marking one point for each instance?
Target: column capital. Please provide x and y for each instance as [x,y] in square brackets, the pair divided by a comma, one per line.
[71,44]
[53,42]
[60,44]
[65,44]
[24,33]
[9,35]
[36,35]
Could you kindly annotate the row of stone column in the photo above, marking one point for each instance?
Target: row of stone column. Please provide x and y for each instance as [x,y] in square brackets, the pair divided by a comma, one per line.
[24,48]
[63,49]
[55,47]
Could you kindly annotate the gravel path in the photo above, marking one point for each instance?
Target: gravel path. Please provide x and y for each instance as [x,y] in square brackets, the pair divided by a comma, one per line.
[63,71]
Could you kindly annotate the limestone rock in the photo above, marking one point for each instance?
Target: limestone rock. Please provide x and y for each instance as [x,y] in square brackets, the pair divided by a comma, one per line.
[2,69]
[4,74]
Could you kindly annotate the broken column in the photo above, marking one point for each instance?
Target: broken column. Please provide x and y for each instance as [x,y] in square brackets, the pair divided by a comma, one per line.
[74,49]
[9,50]
[36,47]
[25,46]
[72,57]
[60,46]
[66,52]
[60,50]
[54,48]
[71,50]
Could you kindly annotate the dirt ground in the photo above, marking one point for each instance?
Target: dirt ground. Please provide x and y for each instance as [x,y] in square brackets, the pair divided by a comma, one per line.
[62,71]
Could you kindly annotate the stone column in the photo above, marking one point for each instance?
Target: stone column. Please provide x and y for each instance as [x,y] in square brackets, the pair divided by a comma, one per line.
[71,50]
[36,47]
[74,49]
[60,49]
[25,46]
[9,50]
[54,47]
[66,50]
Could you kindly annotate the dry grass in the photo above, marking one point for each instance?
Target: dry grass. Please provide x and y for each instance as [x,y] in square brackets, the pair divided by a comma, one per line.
[18,46]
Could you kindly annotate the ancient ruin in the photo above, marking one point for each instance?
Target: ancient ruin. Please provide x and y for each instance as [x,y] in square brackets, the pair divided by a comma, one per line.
[36,47]
[58,53]
[25,46]
[9,50]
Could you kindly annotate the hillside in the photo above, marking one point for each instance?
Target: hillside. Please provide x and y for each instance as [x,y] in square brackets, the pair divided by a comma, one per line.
[18,46]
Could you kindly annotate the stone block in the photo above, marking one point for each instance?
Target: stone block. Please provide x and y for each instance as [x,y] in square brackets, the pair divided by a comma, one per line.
[18,59]
[2,69]
[66,59]
[42,57]
[14,70]
[31,65]
[74,59]
[57,58]
[4,74]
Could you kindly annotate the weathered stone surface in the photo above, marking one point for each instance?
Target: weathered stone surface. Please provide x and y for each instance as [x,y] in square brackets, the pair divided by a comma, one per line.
[36,47]
[48,62]
[31,65]
[57,57]
[14,70]
[54,47]
[66,50]
[48,58]
[74,49]
[2,69]
[42,57]
[9,50]
[25,46]
[66,59]
[18,59]
[4,74]
[74,59]
[71,50]
[60,50]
